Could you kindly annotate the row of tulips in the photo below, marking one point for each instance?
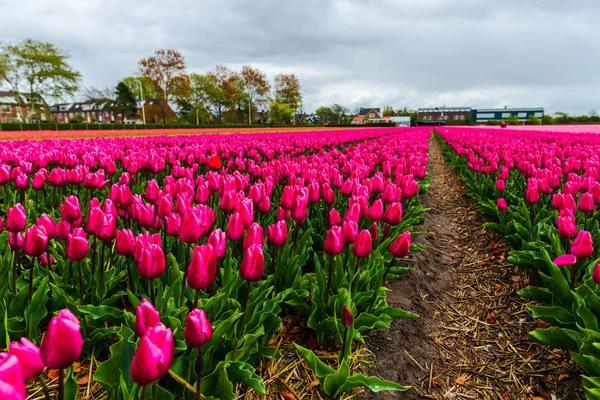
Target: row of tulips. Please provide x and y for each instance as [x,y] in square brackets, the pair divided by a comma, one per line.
[187,251]
[543,189]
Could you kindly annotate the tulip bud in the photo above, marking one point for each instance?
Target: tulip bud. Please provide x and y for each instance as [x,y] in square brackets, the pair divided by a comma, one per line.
[198,329]
[152,191]
[245,209]
[191,229]
[347,318]
[253,264]
[16,219]
[146,317]
[567,228]
[235,227]
[583,245]
[62,343]
[29,358]
[202,270]
[277,234]
[334,244]
[376,211]
[48,223]
[502,206]
[151,262]
[500,185]
[12,384]
[349,231]
[334,218]
[63,228]
[393,214]
[15,241]
[70,210]
[36,241]
[363,244]
[532,194]
[586,203]
[410,189]
[125,242]
[77,245]
[218,240]
[401,246]
[596,274]
[154,355]
[108,228]
[255,235]
[214,162]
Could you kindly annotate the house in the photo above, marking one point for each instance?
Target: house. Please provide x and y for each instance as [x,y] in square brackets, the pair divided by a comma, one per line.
[443,115]
[400,121]
[17,110]
[103,111]
[369,116]
[483,115]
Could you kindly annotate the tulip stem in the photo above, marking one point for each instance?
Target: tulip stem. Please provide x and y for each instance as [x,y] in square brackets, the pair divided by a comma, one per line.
[342,353]
[81,287]
[143,394]
[185,269]
[101,275]
[328,284]
[574,270]
[129,276]
[199,373]
[196,298]
[387,270]
[14,277]
[241,324]
[154,391]
[94,260]
[61,384]
[31,278]
[44,386]
[152,295]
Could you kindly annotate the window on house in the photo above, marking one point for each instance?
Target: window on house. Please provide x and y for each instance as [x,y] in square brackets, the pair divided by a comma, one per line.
[5,108]
[456,117]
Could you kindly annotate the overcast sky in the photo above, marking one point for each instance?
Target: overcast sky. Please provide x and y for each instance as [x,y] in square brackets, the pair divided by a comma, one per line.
[403,53]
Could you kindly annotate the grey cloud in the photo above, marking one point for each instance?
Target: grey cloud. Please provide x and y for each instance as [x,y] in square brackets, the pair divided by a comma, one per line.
[398,52]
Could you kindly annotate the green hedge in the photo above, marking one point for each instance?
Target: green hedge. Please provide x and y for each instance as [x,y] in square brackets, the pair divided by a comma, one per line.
[84,126]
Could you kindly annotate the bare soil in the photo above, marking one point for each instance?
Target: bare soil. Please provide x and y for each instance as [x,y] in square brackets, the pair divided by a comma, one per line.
[471,338]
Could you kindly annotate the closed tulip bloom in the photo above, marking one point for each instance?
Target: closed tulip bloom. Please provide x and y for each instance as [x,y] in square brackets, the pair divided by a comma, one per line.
[62,343]
[253,264]
[410,188]
[334,218]
[21,181]
[502,206]
[173,224]
[214,162]
[227,203]
[334,244]
[374,229]
[154,355]
[300,209]
[198,329]
[565,260]
[375,212]
[48,223]
[202,270]
[38,181]
[558,201]
[393,214]
[532,195]
[63,228]
[108,228]
[569,202]
[349,231]
[147,215]
[146,317]
[586,203]
[77,245]
[245,209]
[265,205]
[165,205]
[235,227]
[287,198]
[4,174]
[125,242]
[16,219]
[363,244]
[328,196]
[567,228]
[152,191]
[12,384]
[353,213]
[29,357]
[596,274]
[401,246]
[218,240]
[70,210]
[36,241]
[94,220]
[347,317]
[583,245]
[254,235]
[277,234]
[151,262]
[500,185]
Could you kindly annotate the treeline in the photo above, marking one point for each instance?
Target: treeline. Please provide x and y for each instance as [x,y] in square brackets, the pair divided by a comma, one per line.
[42,70]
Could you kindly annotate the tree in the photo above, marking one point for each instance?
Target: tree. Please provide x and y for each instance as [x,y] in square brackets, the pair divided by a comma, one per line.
[93,93]
[388,111]
[547,120]
[125,102]
[166,71]
[533,120]
[340,113]
[326,116]
[222,89]
[280,113]
[197,97]
[256,85]
[513,119]
[148,90]
[287,90]
[40,69]
[492,122]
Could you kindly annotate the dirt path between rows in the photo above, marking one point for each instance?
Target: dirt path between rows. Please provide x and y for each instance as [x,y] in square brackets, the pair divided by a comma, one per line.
[471,339]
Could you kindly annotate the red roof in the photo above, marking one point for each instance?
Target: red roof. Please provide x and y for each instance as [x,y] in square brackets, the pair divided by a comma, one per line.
[358,118]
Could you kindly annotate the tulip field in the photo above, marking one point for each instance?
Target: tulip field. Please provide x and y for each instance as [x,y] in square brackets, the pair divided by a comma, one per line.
[171,261]
[541,189]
